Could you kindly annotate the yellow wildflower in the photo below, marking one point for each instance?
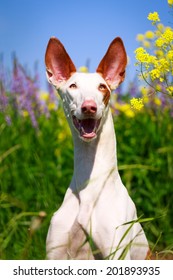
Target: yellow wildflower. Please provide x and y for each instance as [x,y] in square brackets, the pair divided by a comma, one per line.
[140,37]
[170,2]
[129,113]
[170,55]
[159,53]
[52,106]
[83,69]
[157,101]
[158,87]
[149,34]
[44,95]
[125,108]
[144,91]
[146,44]
[25,113]
[153,17]
[170,90]
[137,103]
[142,55]
[163,65]
[153,60]
[158,66]
[156,74]
[165,39]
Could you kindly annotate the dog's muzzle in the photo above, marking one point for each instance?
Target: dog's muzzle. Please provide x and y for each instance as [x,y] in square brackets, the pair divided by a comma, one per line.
[87,128]
[88,125]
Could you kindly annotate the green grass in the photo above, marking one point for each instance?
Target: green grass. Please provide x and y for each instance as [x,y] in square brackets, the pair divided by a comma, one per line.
[145,154]
[36,168]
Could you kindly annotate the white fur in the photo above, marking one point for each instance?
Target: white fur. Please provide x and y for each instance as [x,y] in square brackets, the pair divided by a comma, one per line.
[96,203]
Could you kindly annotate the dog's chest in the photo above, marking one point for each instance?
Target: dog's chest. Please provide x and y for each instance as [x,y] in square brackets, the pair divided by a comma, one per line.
[79,247]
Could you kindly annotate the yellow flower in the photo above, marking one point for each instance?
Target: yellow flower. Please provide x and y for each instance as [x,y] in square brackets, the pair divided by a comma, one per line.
[83,69]
[44,95]
[170,55]
[137,103]
[149,35]
[25,113]
[159,53]
[140,37]
[126,109]
[142,55]
[163,65]
[158,87]
[165,39]
[157,63]
[146,44]
[157,101]
[170,2]
[52,106]
[153,60]
[170,90]
[129,113]
[153,17]
[144,91]
[155,74]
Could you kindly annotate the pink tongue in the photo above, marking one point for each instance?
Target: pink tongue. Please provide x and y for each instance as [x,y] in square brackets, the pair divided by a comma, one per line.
[88,125]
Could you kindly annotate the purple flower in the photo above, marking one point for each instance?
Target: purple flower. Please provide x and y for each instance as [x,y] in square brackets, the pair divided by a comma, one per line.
[25,93]
[20,93]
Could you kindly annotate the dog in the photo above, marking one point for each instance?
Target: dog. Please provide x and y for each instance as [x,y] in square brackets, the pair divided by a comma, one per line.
[97,219]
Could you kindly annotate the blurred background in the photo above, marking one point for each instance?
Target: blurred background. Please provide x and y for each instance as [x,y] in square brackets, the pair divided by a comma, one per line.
[36,149]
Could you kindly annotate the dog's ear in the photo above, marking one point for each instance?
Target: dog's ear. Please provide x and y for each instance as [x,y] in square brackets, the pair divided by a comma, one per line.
[112,66]
[59,66]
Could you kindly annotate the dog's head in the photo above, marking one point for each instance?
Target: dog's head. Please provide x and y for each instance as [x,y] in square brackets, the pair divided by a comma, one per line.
[85,95]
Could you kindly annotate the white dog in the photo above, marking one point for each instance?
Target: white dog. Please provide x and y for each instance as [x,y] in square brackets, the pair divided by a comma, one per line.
[97,219]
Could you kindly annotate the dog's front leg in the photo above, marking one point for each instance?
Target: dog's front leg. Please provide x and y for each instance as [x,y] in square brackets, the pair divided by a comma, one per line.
[58,238]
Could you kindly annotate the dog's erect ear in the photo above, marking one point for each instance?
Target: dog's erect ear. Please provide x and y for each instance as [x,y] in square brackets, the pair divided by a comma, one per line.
[59,66]
[112,66]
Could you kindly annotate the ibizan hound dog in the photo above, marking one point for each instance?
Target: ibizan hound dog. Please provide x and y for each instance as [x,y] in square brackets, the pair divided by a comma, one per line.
[97,219]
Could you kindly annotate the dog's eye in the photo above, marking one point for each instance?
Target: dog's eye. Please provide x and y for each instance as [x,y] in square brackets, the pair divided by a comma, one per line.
[73,86]
[102,87]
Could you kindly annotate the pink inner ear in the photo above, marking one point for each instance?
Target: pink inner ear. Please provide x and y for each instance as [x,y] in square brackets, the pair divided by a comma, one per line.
[112,66]
[58,63]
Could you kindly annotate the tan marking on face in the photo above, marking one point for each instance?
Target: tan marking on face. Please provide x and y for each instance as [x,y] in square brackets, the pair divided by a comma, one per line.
[106,93]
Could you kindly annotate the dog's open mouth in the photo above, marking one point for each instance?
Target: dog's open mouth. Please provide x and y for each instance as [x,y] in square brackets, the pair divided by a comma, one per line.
[87,128]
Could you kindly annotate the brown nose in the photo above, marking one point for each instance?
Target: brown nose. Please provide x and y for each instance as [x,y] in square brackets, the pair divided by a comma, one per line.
[89,107]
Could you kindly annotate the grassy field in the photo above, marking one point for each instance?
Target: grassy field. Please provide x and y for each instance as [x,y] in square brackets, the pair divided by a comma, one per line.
[36,166]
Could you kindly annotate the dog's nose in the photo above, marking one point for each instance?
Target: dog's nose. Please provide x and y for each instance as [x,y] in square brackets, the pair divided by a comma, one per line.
[89,107]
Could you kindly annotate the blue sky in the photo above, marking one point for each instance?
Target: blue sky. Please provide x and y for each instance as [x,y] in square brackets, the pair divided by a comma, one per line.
[85,27]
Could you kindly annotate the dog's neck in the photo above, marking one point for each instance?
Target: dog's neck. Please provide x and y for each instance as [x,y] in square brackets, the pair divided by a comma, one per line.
[95,160]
